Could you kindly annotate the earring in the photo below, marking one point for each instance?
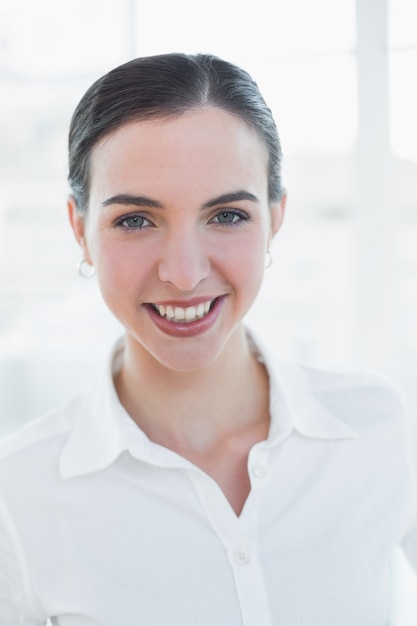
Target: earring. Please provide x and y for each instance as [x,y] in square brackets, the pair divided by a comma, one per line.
[268,259]
[85,269]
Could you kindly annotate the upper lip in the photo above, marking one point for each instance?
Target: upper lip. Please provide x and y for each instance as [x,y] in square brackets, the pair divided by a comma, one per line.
[184,303]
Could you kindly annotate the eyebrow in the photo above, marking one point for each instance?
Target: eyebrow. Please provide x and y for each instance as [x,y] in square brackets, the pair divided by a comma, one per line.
[145,201]
[127,198]
[233,196]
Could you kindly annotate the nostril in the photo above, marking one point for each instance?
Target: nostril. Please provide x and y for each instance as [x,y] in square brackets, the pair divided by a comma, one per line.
[185,269]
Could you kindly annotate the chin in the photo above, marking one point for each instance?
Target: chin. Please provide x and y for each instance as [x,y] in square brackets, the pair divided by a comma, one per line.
[187,360]
[185,354]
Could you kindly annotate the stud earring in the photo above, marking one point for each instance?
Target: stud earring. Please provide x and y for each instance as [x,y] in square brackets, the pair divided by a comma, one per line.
[268,259]
[85,269]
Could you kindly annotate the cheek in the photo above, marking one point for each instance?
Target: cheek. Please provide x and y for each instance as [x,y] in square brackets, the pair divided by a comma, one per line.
[245,262]
[120,267]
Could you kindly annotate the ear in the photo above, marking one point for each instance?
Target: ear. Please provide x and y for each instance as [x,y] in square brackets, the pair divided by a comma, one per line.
[277,215]
[78,224]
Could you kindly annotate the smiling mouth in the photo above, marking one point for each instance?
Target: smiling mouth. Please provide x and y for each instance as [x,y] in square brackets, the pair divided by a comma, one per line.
[184,315]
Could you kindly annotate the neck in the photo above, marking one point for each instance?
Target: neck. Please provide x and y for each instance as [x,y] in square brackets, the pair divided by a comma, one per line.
[195,409]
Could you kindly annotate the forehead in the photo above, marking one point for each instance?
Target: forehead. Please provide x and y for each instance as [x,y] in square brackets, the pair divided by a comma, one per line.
[203,146]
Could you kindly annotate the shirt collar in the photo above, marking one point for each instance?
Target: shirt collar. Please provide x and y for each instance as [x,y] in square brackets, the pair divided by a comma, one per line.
[103,430]
[98,436]
[293,403]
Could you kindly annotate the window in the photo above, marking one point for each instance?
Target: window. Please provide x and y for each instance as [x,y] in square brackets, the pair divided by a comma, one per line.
[343,285]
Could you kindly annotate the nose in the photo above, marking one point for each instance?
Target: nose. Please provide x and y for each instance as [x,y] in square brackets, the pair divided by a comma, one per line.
[184,261]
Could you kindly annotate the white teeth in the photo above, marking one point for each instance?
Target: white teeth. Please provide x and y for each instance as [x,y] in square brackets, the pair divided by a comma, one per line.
[181,314]
[190,313]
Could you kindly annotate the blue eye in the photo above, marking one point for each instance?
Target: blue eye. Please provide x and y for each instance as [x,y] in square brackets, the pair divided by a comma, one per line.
[230,216]
[132,222]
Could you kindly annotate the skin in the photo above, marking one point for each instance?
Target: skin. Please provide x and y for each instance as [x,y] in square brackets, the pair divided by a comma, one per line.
[165,225]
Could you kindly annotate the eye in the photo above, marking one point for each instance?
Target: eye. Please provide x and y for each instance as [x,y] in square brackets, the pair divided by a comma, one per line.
[132,222]
[229,216]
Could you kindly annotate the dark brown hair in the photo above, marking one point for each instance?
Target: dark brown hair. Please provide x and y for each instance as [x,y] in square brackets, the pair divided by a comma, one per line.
[164,86]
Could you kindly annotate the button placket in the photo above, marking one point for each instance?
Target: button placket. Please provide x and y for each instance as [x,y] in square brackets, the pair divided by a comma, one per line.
[241,556]
[260,471]
[239,548]
[259,464]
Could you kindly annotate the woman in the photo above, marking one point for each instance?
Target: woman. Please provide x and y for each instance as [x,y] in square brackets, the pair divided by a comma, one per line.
[200,481]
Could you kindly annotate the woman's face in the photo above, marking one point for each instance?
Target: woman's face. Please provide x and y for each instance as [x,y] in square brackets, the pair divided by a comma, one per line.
[178,225]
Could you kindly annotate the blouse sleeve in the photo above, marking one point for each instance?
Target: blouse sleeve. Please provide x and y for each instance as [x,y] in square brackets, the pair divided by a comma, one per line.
[403,591]
[409,543]
[15,609]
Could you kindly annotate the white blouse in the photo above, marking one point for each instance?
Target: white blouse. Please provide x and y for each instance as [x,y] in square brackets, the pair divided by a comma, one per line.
[99,526]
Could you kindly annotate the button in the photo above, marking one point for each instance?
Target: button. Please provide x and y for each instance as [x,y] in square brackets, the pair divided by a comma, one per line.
[260,471]
[241,556]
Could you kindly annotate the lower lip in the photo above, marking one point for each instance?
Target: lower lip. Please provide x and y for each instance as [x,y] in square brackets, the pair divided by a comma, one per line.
[186,329]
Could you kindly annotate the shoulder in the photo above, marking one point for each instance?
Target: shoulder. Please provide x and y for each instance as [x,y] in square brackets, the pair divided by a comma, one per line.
[366,401]
[35,448]
[361,398]
[37,432]
[346,379]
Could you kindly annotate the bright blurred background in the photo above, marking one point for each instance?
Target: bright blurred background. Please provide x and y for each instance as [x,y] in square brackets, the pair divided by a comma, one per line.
[341,79]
